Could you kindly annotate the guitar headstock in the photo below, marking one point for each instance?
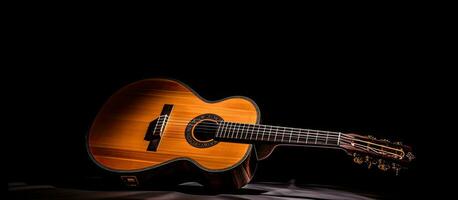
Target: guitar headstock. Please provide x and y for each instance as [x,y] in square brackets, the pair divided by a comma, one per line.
[382,153]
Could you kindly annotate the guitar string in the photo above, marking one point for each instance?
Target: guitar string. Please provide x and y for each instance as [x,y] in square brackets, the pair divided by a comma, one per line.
[314,132]
[313,136]
[303,142]
[258,129]
[259,126]
[293,134]
[346,141]
[316,138]
[185,122]
[295,137]
[303,139]
[386,152]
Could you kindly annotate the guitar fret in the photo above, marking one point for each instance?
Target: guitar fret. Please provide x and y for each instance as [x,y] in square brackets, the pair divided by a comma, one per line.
[277,130]
[228,135]
[236,130]
[257,133]
[224,129]
[236,127]
[283,134]
[290,135]
[252,131]
[338,140]
[270,131]
[245,126]
[248,131]
[252,128]
[243,131]
[240,130]
[251,136]
[307,139]
[218,132]
[286,130]
[233,129]
[327,135]
[299,136]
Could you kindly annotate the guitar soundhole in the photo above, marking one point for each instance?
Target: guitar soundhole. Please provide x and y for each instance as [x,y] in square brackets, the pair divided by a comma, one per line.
[205,130]
[202,129]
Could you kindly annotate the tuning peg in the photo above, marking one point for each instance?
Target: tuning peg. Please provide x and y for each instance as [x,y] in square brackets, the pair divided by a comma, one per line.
[385,140]
[382,165]
[371,137]
[358,159]
[370,161]
[396,168]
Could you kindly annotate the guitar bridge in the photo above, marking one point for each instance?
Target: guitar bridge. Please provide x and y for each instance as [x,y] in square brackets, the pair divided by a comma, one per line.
[156,128]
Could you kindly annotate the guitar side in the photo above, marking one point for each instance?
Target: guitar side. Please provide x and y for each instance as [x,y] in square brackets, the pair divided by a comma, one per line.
[116,141]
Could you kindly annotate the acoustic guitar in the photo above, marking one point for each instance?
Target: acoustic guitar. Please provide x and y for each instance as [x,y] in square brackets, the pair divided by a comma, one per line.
[160,131]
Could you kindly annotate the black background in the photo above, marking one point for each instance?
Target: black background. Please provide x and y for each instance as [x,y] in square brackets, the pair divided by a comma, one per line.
[380,80]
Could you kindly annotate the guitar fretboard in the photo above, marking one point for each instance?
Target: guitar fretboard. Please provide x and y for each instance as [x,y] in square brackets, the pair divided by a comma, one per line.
[276,134]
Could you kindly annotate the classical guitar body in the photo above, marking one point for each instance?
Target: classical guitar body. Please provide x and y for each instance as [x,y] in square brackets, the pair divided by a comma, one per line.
[147,128]
[160,132]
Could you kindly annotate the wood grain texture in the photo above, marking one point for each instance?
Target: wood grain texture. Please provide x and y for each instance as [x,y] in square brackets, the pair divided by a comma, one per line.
[116,139]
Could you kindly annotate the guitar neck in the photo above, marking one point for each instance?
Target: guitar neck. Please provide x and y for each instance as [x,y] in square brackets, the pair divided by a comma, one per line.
[252,133]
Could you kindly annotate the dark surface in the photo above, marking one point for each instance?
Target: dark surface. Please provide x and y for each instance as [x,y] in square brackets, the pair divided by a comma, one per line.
[191,191]
[384,79]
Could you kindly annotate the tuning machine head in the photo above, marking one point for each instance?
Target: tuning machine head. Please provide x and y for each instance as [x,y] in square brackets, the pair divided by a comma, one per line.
[371,137]
[358,159]
[370,161]
[385,140]
[396,167]
[383,165]
[382,153]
